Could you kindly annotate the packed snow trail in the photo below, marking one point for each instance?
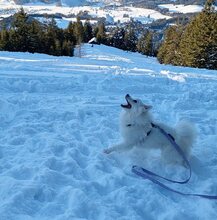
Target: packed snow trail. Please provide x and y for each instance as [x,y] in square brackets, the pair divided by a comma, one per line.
[59,113]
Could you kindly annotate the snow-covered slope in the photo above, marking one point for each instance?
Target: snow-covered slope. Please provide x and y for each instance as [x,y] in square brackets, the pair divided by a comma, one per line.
[59,113]
[182,8]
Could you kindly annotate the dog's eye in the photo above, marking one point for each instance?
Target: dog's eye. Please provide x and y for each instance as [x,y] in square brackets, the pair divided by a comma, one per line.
[135,101]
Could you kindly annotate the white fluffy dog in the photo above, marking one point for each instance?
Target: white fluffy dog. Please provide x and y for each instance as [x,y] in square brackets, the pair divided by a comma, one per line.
[136,126]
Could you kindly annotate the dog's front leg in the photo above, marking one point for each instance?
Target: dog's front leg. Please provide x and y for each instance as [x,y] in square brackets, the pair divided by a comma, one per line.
[119,147]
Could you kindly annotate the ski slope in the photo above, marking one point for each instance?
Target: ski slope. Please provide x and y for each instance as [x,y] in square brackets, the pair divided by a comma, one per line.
[57,115]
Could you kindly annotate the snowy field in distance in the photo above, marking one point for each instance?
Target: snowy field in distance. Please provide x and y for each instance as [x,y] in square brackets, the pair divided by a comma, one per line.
[122,14]
[57,115]
[182,8]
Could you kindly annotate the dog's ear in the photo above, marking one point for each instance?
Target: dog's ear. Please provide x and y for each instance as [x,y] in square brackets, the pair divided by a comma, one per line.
[147,107]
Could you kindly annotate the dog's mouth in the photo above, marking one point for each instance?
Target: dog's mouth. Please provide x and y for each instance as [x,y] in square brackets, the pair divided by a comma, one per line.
[128,105]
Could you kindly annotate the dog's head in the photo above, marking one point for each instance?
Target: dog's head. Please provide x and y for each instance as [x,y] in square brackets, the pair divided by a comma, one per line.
[135,105]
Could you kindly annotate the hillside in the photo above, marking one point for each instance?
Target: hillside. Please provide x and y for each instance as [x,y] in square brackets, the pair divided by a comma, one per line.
[59,113]
[159,14]
[94,13]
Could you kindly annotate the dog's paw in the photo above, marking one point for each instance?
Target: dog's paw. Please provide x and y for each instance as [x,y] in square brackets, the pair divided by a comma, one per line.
[107,151]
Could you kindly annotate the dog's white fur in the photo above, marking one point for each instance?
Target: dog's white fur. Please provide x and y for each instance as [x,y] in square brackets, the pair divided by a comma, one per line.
[135,124]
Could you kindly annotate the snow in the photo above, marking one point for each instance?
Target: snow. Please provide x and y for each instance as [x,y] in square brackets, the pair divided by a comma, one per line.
[182,8]
[59,113]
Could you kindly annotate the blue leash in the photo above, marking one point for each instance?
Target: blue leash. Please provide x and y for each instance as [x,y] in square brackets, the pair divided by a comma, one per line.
[146,174]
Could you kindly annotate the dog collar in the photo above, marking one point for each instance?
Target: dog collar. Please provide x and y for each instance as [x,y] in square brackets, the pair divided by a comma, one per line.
[153,126]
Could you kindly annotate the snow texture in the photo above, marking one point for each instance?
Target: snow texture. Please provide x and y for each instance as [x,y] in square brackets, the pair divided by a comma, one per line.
[57,115]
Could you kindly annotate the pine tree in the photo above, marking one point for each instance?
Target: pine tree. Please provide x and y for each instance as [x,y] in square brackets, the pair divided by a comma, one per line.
[148,49]
[130,40]
[70,33]
[21,31]
[20,19]
[209,6]
[169,50]
[145,44]
[88,31]
[27,35]
[67,48]
[198,47]
[117,38]
[35,41]
[196,44]
[95,30]
[79,31]
[51,37]
[101,34]
[4,40]
[140,44]
[57,48]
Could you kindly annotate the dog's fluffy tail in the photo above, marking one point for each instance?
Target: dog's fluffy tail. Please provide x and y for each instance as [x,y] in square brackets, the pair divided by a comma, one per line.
[186,135]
